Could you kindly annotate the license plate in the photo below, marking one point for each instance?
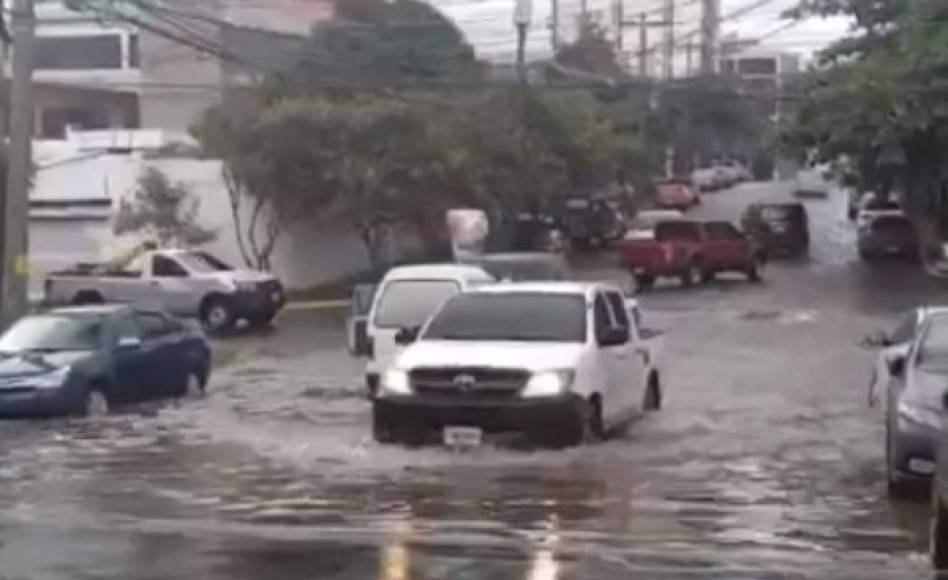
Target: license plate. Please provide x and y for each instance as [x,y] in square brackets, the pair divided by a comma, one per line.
[921,466]
[462,436]
[275,297]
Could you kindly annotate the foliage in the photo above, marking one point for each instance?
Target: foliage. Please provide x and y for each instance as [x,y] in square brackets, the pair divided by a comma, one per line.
[592,51]
[882,95]
[164,211]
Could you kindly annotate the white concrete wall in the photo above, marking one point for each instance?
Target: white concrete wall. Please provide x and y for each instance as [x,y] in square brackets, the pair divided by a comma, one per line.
[307,255]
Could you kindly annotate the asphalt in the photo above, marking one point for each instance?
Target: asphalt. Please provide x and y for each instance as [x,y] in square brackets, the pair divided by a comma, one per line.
[764,463]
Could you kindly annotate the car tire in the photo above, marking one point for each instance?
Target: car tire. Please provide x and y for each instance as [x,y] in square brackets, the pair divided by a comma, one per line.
[217,314]
[594,429]
[938,532]
[895,484]
[653,395]
[196,386]
[753,271]
[95,404]
[693,275]
[708,276]
[645,282]
[383,428]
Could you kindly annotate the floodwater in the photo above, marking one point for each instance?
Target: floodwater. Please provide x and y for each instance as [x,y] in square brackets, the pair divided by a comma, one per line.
[764,463]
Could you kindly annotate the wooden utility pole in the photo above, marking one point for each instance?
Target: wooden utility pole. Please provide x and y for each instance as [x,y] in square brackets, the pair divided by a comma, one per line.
[555,25]
[710,31]
[643,45]
[618,17]
[668,42]
[19,161]
[643,24]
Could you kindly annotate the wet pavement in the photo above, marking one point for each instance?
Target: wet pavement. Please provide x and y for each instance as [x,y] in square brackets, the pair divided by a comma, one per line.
[765,462]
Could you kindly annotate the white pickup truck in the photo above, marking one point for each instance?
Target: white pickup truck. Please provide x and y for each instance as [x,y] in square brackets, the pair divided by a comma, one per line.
[184,282]
[562,362]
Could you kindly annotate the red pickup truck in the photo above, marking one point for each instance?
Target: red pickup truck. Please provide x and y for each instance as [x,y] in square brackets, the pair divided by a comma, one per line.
[691,251]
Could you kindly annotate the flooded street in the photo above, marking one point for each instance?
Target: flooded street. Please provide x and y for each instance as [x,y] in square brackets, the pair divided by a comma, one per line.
[764,463]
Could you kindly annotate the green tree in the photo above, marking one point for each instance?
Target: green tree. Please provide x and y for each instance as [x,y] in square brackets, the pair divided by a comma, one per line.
[164,211]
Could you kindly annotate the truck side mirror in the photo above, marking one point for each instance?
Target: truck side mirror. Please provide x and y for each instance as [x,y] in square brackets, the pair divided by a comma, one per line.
[406,336]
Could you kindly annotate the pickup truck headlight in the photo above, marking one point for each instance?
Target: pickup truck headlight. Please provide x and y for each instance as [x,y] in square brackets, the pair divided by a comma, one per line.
[396,382]
[919,415]
[52,380]
[548,384]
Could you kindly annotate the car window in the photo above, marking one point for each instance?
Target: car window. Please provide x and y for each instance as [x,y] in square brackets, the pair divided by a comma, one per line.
[620,314]
[722,231]
[409,303]
[203,262]
[53,333]
[905,330]
[165,267]
[126,327]
[155,325]
[933,349]
[531,316]
[601,315]
[669,231]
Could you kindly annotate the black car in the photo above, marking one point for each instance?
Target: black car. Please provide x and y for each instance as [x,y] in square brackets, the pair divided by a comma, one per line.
[888,236]
[918,383]
[89,359]
[781,229]
[591,221]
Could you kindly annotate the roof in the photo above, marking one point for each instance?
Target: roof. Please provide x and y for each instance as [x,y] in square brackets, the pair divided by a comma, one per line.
[546,288]
[438,271]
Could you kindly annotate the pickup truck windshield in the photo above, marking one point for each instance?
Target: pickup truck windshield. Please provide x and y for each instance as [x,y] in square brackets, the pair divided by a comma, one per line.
[52,333]
[530,317]
[202,263]
[409,303]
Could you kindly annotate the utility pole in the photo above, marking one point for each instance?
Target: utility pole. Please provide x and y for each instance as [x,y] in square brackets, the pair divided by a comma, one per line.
[690,58]
[555,25]
[523,13]
[19,161]
[668,62]
[710,29]
[643,45]
[618,17]
[584,9]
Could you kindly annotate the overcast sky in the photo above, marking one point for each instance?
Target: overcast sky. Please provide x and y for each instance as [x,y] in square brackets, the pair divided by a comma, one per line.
[488,23]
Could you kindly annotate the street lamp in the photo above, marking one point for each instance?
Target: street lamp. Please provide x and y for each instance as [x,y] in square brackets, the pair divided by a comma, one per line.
[523,12]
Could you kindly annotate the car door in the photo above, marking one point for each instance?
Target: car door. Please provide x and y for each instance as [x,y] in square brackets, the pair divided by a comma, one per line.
[897,343]
[612,359]
[632,362]
[134,374]
[730,246]
[169,286]
[165,352]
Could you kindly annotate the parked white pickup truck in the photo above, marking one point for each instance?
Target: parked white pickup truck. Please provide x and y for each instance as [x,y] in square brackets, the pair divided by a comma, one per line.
[563,362]
[185,282]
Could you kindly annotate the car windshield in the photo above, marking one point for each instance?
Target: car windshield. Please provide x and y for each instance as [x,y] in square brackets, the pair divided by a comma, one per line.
[53,333]
[202,263]
[409,303]
[933,349]
[530,317]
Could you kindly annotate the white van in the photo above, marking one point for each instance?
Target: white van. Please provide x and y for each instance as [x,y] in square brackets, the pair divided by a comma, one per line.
[406,298]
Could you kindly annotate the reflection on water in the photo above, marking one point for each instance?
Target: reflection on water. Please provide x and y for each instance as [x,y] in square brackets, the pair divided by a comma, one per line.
[395,559]
[544,565]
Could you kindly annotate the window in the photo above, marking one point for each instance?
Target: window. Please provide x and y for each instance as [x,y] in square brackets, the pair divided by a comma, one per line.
[905,331]
[52,333]
[601,316]
[102,51]
[409,303]
[933,350]
[618,309]
[125,327]
[757,66]
[155,325]
[167,268]
[203,262]
[722,231]
[134,54]
[54,121]
[536,317]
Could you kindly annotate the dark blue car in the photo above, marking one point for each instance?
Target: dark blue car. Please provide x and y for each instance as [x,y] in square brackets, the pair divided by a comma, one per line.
[90,359]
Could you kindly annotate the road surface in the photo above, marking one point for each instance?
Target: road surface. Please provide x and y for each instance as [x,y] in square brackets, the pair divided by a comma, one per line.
[765,462]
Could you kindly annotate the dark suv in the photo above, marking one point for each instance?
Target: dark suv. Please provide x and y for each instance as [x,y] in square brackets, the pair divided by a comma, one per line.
[781,229]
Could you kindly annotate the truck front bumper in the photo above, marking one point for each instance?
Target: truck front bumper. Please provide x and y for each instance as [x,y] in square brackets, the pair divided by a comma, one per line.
[523,415]
[259,303]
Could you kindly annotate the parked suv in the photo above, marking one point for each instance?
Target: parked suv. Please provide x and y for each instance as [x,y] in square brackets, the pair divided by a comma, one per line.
[779,228]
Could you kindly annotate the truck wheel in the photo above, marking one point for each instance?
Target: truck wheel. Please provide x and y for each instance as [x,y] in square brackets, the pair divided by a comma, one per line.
[645,282]
[938,532]
[217,314]
[693,274]
[383,428]
[84,297]
[653,395]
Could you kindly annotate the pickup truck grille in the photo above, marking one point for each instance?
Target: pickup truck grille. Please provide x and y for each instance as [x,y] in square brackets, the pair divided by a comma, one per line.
[469,382]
